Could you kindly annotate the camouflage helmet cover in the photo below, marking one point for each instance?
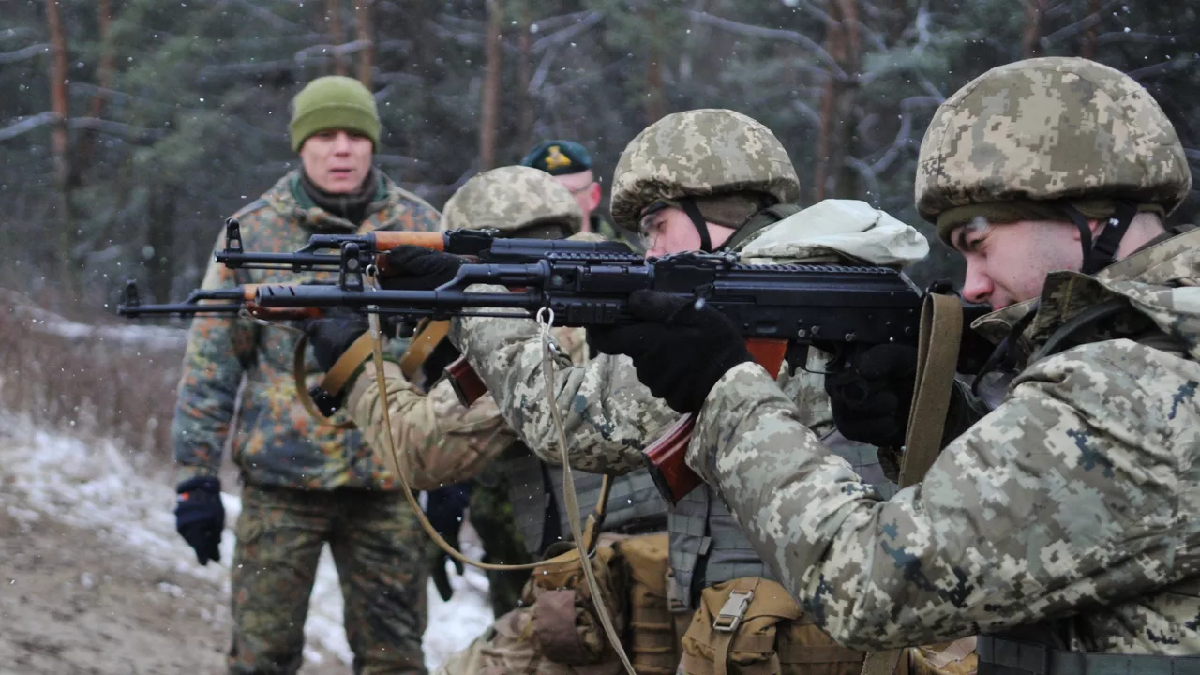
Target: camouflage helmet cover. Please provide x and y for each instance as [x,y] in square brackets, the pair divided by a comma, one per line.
[696,154]
[508,199]
[1049,129]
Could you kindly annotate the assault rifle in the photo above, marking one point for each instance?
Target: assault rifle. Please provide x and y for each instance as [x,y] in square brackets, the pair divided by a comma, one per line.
[217,301]
[356,251]
[839,309]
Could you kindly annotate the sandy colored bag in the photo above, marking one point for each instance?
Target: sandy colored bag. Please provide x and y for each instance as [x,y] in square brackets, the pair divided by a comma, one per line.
[751,626]
[565,622]
[654,644]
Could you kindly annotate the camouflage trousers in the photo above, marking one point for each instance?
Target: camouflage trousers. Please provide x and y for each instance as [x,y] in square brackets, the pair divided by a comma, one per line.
[376,543]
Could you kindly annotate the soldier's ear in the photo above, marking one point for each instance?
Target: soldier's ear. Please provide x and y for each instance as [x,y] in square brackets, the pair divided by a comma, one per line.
[595,195]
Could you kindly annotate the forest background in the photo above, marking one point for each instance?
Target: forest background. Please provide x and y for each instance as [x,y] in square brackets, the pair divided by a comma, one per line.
[129,129]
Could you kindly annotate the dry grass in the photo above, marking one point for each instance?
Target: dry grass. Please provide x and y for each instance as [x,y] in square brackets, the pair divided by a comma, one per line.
[91,382]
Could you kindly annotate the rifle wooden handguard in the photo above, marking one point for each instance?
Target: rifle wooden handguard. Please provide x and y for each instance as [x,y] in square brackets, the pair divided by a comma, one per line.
[465,381]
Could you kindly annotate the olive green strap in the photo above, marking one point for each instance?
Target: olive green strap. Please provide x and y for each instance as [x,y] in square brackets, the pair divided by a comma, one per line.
[937,355]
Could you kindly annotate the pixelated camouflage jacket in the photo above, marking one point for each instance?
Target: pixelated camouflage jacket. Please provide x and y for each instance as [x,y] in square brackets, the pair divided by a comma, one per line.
[438,440]
[1077,499]
[275,441]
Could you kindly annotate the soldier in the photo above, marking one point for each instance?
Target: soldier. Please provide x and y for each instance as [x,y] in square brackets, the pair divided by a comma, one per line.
[739,617]
[440,441]
[571,165]
[305,484]
[1063,523]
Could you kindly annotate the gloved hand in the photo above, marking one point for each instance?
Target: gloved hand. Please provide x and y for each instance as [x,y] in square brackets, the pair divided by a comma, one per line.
[680,352]
[871,399]
[200,516]
[412,268]
[445,507]
[333,334]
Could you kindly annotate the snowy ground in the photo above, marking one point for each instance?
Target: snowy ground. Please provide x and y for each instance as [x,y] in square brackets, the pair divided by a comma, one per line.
[50,481]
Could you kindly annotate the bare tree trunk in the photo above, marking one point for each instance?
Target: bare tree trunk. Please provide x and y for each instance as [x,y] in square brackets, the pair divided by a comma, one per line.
[60,140]
[490,116]
[1088,50]
[846,186]
[366,56]
[1031,44]
[524,77]
[826,162]
[333,16]
[60,143]
[656,106]
[85,146]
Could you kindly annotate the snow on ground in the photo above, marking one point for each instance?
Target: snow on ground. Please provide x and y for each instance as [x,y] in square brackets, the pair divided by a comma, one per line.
[97,486]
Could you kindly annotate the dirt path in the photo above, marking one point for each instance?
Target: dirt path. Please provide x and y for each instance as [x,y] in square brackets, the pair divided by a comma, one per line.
[71,603]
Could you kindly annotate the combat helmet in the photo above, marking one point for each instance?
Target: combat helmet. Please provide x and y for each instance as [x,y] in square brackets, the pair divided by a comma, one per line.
[695,159]
[1051,138]
[516,201]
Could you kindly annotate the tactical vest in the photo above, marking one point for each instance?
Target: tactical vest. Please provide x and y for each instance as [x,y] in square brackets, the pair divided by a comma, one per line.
[707,546]
[535,489]
[707,543]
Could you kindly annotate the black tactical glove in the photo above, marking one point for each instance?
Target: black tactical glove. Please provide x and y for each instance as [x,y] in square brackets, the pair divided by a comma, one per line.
[680,351]
[871,398]
[445,507]
[332,335]
[200,517]
[412,268]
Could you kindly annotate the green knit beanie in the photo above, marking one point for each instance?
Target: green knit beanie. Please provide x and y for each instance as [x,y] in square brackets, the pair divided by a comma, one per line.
[334,102]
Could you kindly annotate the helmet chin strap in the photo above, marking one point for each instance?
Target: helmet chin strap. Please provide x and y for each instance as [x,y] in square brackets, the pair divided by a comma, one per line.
[1102,253]
[693,213]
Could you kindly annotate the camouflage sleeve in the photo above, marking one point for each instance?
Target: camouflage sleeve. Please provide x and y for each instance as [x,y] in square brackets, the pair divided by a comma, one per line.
[439,441]
[608,415]
[219,349]
[1063,498]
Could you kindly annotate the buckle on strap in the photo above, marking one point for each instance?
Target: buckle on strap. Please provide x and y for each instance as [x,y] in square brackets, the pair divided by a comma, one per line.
[731,615]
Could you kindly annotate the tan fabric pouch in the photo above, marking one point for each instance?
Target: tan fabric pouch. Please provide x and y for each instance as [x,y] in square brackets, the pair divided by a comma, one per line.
[751,626]
[565,622]
[654,644]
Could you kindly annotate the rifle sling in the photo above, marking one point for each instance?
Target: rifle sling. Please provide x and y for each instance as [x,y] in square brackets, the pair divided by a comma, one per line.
[334,379]
[428,336]
[937,355]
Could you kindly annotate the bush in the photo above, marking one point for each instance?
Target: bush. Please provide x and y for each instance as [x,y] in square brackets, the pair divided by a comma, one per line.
[93,377]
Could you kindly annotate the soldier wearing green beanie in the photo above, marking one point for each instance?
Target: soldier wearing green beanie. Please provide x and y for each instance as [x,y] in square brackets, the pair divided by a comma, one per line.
[305,484]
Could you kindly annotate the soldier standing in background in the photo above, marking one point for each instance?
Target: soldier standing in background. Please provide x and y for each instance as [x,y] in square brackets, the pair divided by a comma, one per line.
[305,484]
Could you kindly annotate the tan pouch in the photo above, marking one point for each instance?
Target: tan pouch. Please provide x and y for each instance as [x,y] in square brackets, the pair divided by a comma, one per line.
[565,623]
[947,658]
[654,644]
[751,626]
